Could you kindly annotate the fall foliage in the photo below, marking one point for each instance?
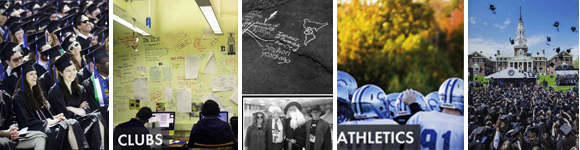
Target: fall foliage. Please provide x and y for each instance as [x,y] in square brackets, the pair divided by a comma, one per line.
[401,44]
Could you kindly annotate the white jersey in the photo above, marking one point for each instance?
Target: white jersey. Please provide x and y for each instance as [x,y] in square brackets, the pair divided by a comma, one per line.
[439,130]
[371,122]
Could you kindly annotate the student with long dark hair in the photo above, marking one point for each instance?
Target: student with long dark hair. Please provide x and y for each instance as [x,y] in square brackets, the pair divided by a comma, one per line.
[69,98]
[33,112]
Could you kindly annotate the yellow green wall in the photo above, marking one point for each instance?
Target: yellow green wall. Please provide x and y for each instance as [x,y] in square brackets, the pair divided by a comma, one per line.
[172,21]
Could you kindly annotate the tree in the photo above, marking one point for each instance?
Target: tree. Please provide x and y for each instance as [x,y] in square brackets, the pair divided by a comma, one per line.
[400,44]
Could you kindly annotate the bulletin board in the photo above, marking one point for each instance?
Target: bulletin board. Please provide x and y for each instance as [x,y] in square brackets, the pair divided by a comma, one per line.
[160,64]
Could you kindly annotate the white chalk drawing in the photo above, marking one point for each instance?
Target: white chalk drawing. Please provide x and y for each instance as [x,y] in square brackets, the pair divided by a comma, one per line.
[309,28]
[271,16]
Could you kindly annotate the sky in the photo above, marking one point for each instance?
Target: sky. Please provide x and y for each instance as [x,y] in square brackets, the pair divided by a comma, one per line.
[490,32]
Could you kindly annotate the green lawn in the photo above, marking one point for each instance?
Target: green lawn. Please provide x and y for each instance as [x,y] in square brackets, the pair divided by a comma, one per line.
[551,82]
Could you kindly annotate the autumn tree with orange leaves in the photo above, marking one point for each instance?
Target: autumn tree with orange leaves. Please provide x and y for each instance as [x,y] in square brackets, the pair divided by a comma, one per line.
[401,44]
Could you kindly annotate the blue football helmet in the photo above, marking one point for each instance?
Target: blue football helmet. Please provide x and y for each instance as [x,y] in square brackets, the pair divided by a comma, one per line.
[346,80]
[369,101]
[451,94]
[401,109]
[344,106]
[432,100]
[392,102]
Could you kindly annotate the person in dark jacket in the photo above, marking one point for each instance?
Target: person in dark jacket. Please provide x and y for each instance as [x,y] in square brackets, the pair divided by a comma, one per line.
[210,130]
[294,126]
[134,127]
[317,131]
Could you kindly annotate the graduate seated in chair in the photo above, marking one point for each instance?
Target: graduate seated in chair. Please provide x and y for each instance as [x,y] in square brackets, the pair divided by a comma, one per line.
[9,131]
[69,98]
[33,112]
[211,132]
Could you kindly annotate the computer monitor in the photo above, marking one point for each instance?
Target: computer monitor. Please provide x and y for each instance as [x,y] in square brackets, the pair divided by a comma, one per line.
[222,116]
[166,120]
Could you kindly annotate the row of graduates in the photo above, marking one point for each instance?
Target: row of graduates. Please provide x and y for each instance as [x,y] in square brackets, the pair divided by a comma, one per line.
[56,86]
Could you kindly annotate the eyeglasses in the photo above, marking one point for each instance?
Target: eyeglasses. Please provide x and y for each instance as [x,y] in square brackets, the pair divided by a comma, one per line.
[17,59]
[73,46]
[86,21]
[260,117]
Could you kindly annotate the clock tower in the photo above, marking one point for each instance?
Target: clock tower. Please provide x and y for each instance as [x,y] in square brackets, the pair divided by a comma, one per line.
[520,47]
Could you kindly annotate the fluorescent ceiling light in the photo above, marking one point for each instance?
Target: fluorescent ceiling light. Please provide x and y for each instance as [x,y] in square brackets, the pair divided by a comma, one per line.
[211,19]
[129,25]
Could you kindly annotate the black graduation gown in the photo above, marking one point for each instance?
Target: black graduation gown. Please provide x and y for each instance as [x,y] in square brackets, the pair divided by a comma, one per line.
[7,118]
[89,122]
[85,43]
[9,84]
[36,120]
[45,82]
[83,74]
[39,70]
[88,85]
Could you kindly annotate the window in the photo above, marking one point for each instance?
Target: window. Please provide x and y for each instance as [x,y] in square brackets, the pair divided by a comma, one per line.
[480,60]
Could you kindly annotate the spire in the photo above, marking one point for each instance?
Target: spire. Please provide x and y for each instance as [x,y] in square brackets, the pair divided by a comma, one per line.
[520,13]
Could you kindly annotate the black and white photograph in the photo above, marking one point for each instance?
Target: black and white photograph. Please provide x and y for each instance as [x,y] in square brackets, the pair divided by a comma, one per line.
[290,123]
[287,46]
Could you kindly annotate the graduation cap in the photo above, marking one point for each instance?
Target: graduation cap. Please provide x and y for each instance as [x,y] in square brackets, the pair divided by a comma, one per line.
[104,22]
[53,26]
[9,10]
[561,57]
[573,29]
[492,8]
[556,24]
[83,5]
[62,6]
[97,30]
[97,52]
[64,32]
[63,61]
[77,19]
[74,10]
[42,23]
[92,8]
[516,131]
[15,27]
[548,39]
[31,5]
[22,70]
[50,10]
[87,50]
[53,52]
[569,50]
[502,117]
[479,130]
[11,21]
[8,50]
[37,44]
[28,26]
[490,111]
[511,41]
[24,14]
[67,42]
[566,129]
[557,49]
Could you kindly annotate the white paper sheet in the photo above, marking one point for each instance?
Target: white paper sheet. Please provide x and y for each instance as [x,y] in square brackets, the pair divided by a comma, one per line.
[210,65]
[234,97]
[215,98]
[191,67]
[140,88]
[168,93]
[184,100]
[224,83]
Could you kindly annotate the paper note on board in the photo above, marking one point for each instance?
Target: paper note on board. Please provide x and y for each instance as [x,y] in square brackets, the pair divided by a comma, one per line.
[224,83]
[210,66]
[191,67]
[213,97]
[234,97]
[140,88]
[183,98]
[168,93]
